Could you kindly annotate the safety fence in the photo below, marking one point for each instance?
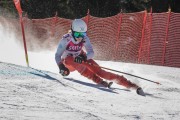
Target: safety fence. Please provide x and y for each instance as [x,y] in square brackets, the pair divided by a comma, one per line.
[147,38]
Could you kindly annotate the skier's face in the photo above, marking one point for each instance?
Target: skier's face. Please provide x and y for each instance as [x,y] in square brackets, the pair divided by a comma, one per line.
[79,39]
[79,35]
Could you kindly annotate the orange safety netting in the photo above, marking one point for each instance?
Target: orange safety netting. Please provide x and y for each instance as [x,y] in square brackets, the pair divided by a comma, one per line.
[148,38]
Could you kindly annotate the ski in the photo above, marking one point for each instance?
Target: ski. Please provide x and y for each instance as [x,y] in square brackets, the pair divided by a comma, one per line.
[140,91]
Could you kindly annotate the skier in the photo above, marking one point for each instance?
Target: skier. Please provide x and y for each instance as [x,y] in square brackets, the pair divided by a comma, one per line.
[71,56]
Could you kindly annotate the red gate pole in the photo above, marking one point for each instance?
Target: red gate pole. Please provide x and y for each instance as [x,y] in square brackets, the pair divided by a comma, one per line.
[53,26]
[87,17]
[18,7]
[24,40]
[166,37]
[150,29]
[118,34]
[142,36]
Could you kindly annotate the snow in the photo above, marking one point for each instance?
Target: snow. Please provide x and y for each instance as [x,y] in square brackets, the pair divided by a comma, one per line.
[29,93]
[38,92]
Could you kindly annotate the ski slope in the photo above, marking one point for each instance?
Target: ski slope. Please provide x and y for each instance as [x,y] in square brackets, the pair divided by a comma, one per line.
[33,94]
[38,92]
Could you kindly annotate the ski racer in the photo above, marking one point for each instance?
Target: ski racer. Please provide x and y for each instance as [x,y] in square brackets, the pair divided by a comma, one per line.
[75,52]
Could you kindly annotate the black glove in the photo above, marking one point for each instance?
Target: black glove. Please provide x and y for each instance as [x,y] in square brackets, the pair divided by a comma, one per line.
[64,71]
[80,58]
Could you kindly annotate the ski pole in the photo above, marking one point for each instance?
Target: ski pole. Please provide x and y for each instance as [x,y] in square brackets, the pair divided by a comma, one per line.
[126,74]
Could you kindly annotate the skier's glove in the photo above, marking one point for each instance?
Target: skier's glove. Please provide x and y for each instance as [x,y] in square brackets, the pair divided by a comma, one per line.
[80,58]
[63,70]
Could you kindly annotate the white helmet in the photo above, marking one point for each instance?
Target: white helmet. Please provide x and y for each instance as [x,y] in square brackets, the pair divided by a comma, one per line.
[79,25]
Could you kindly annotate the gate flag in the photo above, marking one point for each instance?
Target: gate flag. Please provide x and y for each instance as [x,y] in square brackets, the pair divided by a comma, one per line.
[18,6]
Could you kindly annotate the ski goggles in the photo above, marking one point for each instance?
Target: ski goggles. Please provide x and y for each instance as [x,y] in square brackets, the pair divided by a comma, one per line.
[79,34]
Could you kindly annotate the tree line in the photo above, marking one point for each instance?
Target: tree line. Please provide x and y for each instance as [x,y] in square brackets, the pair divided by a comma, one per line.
[71,9]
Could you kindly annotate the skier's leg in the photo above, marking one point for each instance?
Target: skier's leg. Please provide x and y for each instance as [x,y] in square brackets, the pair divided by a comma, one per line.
[82,69]
[109,76]
[90,75]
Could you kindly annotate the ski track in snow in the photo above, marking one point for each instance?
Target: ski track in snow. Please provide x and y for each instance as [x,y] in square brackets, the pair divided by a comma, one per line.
[32,94]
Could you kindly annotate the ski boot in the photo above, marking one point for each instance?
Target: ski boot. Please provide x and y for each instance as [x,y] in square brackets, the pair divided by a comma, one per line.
[106,84]
[140,91]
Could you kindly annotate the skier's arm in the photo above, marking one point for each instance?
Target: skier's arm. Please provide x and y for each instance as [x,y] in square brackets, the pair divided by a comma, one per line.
[88,48]
[61,48]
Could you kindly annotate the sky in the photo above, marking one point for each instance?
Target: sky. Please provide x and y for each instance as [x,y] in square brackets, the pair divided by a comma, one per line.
[38,92]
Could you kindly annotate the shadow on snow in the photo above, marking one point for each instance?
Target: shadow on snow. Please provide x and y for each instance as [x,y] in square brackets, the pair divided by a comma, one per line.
[111,90]
[44,76]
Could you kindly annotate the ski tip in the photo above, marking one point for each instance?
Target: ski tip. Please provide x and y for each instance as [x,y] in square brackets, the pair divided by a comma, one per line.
[139,91]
